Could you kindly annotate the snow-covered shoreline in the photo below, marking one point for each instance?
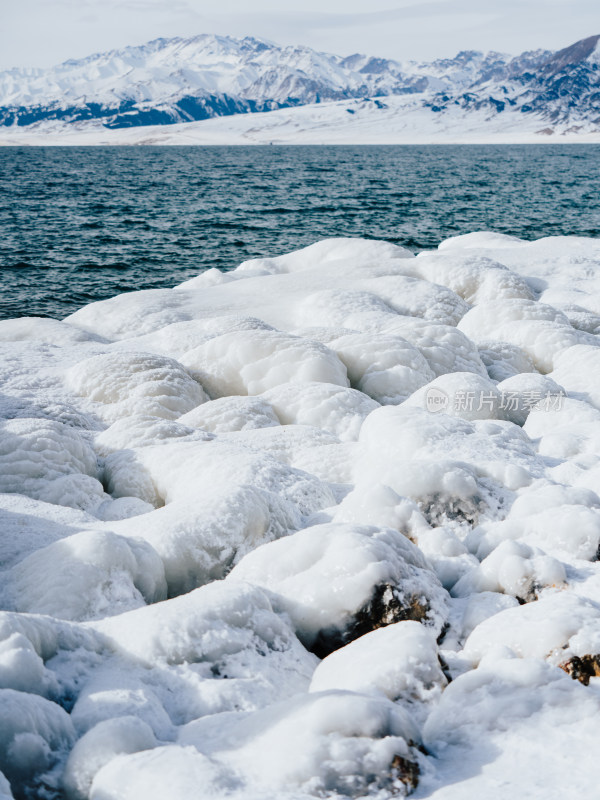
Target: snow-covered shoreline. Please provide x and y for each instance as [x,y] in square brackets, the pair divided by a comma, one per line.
[326,525]
[402,120]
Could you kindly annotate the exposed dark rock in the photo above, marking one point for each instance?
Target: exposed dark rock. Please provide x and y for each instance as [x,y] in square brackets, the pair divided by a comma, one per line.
[445,668]
[385,607]
[405,771]
[570,56]
[582,668]
[130,114]
[439,510]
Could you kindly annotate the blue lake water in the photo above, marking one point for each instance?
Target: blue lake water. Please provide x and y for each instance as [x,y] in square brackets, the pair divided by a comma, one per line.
[83,224]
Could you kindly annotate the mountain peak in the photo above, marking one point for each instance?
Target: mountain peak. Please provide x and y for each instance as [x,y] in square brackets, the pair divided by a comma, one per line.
[572,55]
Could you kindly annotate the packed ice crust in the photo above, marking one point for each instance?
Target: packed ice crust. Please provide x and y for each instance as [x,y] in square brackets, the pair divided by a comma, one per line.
[326,525]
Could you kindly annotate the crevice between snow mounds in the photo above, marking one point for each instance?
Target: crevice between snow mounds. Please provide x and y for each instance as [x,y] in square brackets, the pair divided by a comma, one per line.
[221,501]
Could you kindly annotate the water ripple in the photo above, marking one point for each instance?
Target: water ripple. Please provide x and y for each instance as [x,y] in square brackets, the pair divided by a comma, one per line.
[82,224]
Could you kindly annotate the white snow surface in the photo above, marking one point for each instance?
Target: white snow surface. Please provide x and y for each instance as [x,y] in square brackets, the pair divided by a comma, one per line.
[399,119]
[324,526]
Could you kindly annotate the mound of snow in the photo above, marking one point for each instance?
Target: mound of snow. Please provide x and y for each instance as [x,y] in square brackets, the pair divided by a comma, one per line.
[232,413]
[49,461]
[338,582]
[326,744]
[98,747]
[229,646]
[335,409]
[399,661]
[250,362]
[387,368]
[122,384]
[87,575]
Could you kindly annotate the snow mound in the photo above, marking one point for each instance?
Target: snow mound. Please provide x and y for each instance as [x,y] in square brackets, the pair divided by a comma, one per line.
[87,575]
[399,661]
[41,329]
[122,384]
[50,461]
[334,409]
[223,643]
[476,279]
[143,430]
[327,252]
[338,582]
[98,747]
[227,414]
[387,368]
[250,362]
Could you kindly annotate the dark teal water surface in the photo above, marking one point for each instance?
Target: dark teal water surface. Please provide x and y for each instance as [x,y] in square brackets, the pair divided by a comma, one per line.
[82,224]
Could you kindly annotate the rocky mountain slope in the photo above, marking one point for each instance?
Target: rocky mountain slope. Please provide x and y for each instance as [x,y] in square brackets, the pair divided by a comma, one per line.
[182,80]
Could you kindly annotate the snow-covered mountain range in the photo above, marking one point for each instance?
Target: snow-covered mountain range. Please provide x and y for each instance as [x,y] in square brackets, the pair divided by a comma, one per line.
[186,80]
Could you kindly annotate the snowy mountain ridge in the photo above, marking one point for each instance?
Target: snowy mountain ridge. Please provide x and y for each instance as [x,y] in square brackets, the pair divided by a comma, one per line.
[182,80]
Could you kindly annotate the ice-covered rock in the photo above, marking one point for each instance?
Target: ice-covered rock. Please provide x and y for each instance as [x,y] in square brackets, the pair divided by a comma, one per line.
[330,744]
[555,627]
[515,569]
[503,697]
[338,582]
[35,738]
[87,575]
[399,661]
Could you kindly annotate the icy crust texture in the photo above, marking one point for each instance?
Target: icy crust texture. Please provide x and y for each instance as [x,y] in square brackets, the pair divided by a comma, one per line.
[324,526]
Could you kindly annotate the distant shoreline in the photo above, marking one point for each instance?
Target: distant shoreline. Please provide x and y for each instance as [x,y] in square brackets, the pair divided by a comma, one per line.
[337,123]
[110,140]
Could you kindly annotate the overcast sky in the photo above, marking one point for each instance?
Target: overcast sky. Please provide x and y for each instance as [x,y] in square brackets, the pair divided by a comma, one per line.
[45,32]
